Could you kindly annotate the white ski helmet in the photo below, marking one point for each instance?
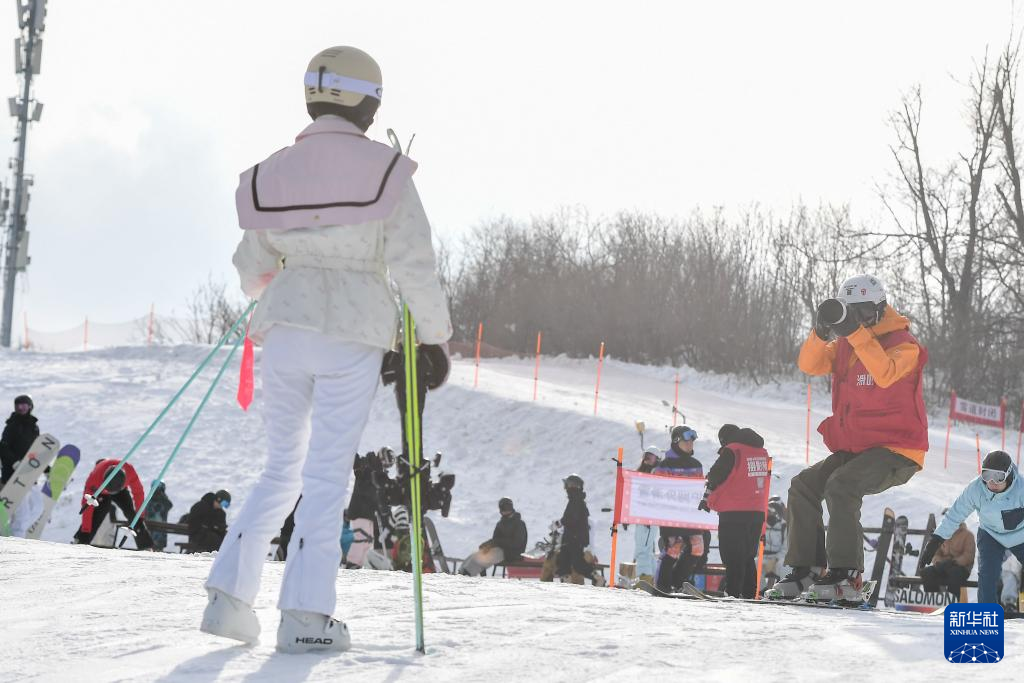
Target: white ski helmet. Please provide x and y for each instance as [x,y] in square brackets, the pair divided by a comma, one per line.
[344,81]
[861,289]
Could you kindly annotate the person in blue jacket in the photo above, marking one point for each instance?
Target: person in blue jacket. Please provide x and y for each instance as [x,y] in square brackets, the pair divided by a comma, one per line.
[998,498]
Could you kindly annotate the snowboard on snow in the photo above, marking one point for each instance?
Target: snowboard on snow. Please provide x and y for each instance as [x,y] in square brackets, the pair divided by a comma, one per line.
[436,552]
[899,548]
[36,460]
[60,474]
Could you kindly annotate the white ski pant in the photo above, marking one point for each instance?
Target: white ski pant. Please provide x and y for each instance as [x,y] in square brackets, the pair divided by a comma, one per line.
[317,393]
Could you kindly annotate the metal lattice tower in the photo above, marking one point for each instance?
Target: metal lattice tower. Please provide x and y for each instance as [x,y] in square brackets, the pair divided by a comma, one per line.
[28,50]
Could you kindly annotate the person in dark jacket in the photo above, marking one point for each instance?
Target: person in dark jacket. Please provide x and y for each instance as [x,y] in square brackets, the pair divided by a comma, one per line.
[124,490]
[575,534]
[506,544]
[683,550]
[20,432]
[207,522]
[159,507]
[737,490]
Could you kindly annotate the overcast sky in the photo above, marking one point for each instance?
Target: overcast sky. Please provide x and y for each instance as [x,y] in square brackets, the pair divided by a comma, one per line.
[153,108]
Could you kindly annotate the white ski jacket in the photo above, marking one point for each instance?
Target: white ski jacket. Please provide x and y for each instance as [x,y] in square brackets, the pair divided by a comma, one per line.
[334,279]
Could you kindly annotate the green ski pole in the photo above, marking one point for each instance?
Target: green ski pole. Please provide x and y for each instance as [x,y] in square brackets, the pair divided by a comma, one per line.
[412,431]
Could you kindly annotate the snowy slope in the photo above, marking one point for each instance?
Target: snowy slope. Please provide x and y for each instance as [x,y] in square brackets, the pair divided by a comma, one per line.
[99,615]
[498,442]
[495,439]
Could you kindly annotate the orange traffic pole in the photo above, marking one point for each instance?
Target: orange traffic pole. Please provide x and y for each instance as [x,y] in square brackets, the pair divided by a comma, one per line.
[675,403]
[597,387]
[479,336]
[615,527]
[536,368]
[807,457]
[1002,409]
[977,443]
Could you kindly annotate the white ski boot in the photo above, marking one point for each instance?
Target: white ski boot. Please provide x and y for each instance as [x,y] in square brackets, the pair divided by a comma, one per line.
[308,632]
[839,585]
[229,617]
[793,585]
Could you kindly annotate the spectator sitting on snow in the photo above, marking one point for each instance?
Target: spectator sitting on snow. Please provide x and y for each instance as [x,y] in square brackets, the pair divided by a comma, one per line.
[20,432]
[506,545]
[124,490]
[952,563]
[207,522]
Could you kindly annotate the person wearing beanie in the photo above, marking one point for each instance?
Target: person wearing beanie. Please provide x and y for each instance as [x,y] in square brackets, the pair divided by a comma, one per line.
[20,433]
[208,522]
[645,536]
[506,544]
[736,489]
[998,498]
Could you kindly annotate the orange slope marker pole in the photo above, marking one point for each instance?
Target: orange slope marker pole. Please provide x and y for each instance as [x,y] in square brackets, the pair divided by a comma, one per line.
[675,403]
[615,519]
[1020,432]
[807,457]
[597,387]
[1002,409]
[479,336]
[536,368]
[949,426]
[977,443]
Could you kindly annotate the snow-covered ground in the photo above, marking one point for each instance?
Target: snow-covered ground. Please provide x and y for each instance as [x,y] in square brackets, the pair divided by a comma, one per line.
[124,616]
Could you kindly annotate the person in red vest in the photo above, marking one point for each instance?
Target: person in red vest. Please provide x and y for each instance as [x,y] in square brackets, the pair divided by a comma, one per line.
[737,490]
[877,433]
[124,491]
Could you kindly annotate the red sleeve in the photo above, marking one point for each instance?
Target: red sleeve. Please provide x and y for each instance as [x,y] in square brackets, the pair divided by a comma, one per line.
[91,484]
[135,485]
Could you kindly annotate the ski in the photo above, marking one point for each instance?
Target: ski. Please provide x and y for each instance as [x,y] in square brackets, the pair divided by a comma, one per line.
[899,546]
[882,551]
[60,474]
[413,445]
[36,460]
[651,589]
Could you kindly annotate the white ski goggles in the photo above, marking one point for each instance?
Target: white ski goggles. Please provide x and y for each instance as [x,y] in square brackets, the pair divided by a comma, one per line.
[333,81]
[997,476]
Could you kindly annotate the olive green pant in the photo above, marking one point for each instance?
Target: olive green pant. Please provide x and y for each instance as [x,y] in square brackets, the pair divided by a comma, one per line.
[841,480]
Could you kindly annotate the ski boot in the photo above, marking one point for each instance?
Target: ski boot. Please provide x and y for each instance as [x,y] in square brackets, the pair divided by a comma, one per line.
[229,617]
[308,631]
[793,585]
[842,586]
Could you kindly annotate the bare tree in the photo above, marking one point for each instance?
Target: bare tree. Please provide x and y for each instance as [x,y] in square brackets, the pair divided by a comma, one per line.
[211,312]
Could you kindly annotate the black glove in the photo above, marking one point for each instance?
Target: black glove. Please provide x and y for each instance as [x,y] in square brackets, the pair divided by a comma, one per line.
[391,367]
[838,316]
[703,504]
[435,364]
[929,550]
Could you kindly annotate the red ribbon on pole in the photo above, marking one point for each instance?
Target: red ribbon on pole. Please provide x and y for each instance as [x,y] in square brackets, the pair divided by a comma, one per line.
[247,372]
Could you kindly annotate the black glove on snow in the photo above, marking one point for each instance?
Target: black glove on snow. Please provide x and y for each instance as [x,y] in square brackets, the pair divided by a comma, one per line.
[838,316]
[929,550]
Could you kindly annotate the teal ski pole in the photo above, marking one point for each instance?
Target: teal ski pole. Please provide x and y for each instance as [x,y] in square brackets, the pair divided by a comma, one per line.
[90,499]
[184,435]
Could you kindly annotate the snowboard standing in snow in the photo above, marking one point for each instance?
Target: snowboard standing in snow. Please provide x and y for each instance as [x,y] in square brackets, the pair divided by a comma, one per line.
[60,474]
[36,460]
[899,548]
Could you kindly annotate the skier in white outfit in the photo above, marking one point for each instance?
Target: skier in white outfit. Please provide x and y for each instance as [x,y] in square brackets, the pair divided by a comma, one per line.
[325,221]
